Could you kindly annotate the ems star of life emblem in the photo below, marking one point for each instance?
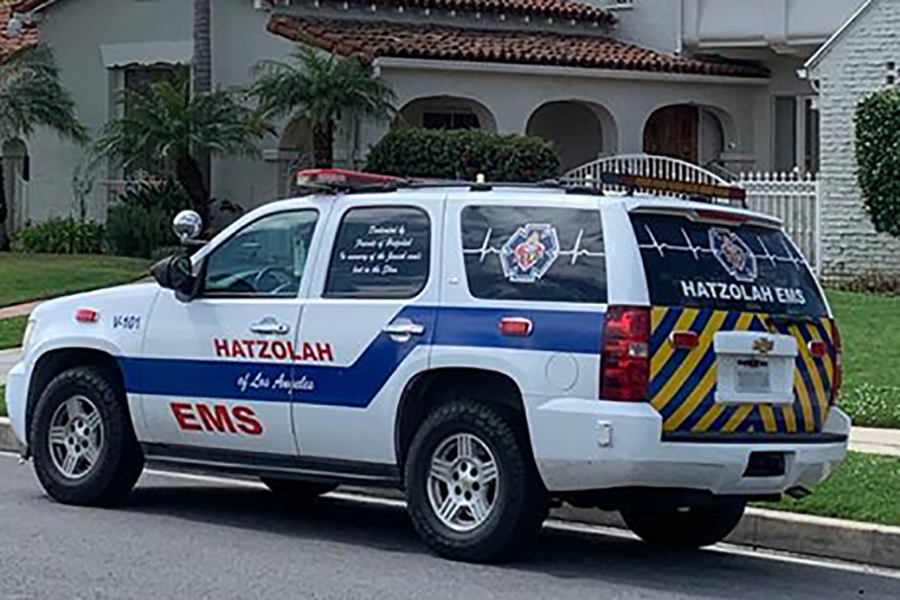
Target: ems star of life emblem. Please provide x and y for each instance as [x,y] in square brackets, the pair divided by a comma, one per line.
[733,254]
[529,253]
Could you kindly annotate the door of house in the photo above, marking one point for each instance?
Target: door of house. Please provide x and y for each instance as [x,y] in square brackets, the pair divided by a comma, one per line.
[673,131]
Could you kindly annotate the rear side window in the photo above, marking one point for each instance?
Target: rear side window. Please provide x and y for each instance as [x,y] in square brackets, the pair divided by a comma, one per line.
[534,254]
[745,268]
[380,253]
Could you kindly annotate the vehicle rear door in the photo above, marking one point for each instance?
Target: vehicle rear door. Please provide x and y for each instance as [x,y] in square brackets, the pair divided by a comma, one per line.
[742,342]
[373,305]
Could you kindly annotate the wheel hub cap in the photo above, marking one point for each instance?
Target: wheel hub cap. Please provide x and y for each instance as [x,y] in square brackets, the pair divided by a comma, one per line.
[463,482]
[76,437]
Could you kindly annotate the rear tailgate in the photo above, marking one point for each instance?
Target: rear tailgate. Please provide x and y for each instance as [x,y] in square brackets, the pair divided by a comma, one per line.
[754,352]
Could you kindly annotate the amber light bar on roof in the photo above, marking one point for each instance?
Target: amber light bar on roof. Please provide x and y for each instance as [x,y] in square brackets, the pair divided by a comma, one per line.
[343,179]
[673,186]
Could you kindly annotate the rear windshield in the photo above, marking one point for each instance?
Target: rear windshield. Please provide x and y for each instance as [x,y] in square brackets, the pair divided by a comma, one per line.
[744,268]
[534,254]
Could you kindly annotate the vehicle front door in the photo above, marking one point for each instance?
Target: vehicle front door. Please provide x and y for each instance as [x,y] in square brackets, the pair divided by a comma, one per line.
[216,371]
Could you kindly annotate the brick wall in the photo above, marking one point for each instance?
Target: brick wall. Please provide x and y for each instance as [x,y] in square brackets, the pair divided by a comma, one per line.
[855,67]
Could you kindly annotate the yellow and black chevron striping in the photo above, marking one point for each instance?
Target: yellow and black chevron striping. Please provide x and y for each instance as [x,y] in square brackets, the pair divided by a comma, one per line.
[683,382]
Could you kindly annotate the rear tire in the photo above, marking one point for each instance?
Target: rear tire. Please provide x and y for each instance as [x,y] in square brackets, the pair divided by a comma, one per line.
[685,527]
[303,492]
[83,443]
[473,491]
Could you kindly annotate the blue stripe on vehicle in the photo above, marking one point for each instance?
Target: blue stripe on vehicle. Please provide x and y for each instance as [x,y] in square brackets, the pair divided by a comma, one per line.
[358,384]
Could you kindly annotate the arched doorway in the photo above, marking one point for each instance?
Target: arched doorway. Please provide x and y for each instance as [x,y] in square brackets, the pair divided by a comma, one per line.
[580,131]
[687,132]
[446,112]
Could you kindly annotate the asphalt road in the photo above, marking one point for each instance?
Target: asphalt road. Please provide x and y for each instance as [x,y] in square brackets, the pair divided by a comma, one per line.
[193,538]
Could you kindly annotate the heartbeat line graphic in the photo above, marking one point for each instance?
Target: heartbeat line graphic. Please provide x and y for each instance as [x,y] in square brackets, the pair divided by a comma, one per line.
[574,254]
[698,250]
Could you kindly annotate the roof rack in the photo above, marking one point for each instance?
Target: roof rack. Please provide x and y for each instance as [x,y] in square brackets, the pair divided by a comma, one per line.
[701,192]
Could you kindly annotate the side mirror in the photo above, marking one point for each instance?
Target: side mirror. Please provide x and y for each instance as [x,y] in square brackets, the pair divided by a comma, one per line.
[176,273]
[187,226]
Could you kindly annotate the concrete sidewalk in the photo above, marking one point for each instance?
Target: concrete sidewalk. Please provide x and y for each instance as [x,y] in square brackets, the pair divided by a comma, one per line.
[8,359]
[19,310]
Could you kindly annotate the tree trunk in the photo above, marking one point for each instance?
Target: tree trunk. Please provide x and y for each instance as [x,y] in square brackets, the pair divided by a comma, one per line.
[4,211]
[202,64]
[323,144]
[187,170]
[201,68]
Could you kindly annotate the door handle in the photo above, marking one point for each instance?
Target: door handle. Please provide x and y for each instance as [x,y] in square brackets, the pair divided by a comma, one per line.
[270,326]
[404,330]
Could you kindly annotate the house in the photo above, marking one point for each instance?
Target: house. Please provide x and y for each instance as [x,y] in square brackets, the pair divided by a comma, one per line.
[709,81]
[860,59]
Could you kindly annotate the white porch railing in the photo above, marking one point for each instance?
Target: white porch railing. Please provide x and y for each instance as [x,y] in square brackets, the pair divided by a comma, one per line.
[793,199]
[646,165]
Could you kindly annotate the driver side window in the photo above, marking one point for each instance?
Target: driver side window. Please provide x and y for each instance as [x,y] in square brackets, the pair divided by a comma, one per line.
[264,260]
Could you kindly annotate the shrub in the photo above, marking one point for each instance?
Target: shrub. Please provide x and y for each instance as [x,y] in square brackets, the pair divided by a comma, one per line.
[62,236]
[140,222]
[463,155]
[878,159]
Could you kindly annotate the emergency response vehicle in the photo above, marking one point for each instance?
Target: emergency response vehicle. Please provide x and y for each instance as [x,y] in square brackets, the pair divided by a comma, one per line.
[493,350]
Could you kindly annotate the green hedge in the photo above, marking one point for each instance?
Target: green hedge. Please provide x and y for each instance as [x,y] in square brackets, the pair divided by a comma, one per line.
[878,158]
[463,155]
[62,236]
[140,221]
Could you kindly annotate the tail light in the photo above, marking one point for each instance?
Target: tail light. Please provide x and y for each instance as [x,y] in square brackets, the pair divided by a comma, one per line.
[838,362]
[625,363]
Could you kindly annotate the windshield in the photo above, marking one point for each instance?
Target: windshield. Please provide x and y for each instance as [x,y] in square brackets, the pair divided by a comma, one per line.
[745,268]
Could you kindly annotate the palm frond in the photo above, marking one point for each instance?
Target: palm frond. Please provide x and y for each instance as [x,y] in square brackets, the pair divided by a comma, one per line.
[32,96]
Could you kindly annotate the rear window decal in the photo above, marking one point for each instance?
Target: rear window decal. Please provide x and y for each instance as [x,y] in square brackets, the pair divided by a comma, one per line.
[534,253]
[733,254]
[748,268]
[529,253]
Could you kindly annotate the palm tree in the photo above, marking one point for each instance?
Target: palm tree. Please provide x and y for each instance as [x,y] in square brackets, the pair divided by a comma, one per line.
[174,127]
[321,88]
[31,97]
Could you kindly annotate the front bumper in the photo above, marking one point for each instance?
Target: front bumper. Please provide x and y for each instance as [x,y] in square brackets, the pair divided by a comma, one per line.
[16,400]
[584,445]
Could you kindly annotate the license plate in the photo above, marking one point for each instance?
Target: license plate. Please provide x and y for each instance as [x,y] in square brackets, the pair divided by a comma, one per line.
[753,376]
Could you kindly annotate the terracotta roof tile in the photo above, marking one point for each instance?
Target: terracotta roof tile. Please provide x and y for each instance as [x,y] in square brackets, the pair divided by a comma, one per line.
[373,39]
[557,9]
[8,45]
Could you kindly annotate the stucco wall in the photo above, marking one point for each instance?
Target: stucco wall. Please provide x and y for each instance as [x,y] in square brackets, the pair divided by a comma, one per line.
[855,67]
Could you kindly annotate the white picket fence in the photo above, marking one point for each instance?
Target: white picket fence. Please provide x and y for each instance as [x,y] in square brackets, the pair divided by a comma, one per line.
[791,198]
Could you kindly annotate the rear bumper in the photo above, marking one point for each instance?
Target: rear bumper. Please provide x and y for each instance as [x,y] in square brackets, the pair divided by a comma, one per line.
[16,394]
[584,445]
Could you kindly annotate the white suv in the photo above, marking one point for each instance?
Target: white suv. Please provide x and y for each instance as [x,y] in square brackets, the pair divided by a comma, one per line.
[491,350]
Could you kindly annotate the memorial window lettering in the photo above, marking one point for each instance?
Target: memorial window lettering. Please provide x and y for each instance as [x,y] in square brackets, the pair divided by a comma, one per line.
[380,253]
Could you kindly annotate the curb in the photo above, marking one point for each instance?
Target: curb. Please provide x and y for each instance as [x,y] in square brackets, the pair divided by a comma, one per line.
[865,543]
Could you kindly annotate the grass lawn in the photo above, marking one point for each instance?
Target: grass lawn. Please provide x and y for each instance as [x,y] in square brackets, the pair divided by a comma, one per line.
[870,329]
[11,332]
[27,277]
[865,488]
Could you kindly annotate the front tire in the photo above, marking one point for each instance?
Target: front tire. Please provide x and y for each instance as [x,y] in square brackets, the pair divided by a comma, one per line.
[84,447]
[685,528]
[473,491]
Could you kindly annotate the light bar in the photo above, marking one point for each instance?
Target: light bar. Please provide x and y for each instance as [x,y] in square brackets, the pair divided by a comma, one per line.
[343,179]
[674,186]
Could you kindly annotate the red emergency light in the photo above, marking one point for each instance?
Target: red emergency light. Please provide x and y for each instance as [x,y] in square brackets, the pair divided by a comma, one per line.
[342,179]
